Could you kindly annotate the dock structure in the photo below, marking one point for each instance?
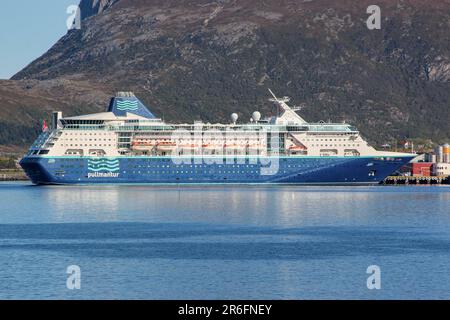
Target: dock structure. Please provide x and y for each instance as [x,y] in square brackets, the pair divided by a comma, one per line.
[12,175]
[417,180]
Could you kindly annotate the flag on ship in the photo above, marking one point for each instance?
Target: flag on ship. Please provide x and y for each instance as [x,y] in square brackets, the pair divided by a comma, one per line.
[44,126]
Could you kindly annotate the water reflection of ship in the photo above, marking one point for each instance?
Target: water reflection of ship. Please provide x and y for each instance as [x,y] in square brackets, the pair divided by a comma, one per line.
[90,203]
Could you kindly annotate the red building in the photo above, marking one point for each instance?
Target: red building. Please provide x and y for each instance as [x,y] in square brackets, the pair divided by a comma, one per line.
[422,169]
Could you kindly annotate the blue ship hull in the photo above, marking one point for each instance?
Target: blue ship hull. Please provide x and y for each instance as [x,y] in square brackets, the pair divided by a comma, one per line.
[163,170]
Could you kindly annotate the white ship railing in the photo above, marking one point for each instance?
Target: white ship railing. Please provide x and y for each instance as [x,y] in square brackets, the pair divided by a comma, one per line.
[332,128]
[45,139]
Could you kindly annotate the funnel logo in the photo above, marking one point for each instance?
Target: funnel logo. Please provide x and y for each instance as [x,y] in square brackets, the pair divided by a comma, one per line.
[103,168]
[127,105]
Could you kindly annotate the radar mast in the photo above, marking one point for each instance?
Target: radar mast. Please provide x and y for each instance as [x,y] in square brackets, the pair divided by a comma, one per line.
[289,115]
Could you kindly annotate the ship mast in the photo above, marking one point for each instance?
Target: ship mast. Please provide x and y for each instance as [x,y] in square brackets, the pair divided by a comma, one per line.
[289,113]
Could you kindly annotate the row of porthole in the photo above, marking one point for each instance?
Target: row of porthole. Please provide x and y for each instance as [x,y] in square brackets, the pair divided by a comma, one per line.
[70,166]
[195,166]
[87,145]
[336,145]
[70,139]
[87,134]
[219,166]
[197,172]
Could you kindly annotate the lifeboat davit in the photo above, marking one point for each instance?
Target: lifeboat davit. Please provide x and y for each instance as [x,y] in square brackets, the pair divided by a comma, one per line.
[296,148]
[166,146]
[143,145]
[188,146]
[254,146]
[233,146]
[208,146]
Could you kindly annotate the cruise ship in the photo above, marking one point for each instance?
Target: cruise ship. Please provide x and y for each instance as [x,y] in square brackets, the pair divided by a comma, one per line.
[128,144]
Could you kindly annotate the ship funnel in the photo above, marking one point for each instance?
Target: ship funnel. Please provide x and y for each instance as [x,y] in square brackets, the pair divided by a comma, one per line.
[127,102]
[56,117]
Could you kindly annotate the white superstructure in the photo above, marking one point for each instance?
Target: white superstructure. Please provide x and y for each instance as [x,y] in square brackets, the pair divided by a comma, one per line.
[114,133]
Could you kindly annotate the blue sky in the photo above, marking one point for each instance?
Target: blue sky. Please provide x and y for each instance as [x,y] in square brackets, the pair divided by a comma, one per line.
[28,28]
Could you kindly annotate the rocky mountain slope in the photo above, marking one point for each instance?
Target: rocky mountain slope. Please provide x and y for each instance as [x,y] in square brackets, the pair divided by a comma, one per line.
[198,59]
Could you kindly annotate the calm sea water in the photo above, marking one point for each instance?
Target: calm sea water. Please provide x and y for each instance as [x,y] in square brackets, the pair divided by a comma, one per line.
[224,242]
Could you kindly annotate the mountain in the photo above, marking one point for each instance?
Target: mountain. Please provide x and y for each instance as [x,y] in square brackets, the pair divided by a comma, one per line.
[198,59]
[90,8]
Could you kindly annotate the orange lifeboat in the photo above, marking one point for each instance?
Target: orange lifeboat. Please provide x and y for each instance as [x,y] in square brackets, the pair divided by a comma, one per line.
[142,145]
[233,146]
[254,146]
[213,147]
[297,148]
[188,146]
[166,146]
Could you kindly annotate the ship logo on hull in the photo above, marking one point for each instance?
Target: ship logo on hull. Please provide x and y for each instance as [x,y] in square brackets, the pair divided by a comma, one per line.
[103,168]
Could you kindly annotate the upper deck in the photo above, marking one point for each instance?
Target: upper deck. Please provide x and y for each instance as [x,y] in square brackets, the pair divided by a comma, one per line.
[129,128]
[156,125]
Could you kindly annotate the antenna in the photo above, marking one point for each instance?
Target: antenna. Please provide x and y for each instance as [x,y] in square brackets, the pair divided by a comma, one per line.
[297,108]
[273,94]
[288,111]
[281,102]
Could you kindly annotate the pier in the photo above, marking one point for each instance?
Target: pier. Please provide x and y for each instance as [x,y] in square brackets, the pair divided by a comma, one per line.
[417,180]
[12,175]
